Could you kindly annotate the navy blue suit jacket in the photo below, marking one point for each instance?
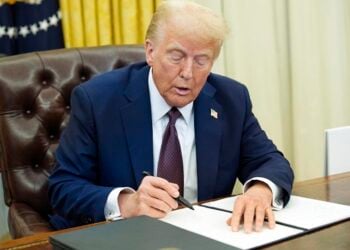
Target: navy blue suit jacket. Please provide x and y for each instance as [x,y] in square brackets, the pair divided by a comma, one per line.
[108,143]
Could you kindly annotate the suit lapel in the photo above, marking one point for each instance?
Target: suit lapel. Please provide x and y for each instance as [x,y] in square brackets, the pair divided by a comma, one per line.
[208,137]
[137,121]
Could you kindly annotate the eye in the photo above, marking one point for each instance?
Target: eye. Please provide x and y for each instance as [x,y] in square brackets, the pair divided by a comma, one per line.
[202,61]
[176,57]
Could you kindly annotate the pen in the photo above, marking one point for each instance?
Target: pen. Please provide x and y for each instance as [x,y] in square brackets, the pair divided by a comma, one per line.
[179,199]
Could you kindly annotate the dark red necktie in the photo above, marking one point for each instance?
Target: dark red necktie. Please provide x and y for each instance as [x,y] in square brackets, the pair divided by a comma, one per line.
[170,166]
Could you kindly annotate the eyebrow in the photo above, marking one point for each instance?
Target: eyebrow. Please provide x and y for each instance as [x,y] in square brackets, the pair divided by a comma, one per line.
[176,50]
[179,50]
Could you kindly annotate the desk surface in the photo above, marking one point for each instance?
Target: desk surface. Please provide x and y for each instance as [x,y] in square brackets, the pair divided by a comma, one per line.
[334,188]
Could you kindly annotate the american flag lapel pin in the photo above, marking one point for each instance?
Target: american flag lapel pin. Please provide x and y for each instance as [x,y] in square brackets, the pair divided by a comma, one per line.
[213,113]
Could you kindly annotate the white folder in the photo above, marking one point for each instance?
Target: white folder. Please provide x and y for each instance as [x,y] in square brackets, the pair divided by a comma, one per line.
[337,150]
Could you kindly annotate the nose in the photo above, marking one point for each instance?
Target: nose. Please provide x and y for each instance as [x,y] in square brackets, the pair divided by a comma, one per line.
[186,71]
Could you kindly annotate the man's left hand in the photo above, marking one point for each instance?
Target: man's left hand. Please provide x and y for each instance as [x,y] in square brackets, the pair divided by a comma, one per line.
[251,208]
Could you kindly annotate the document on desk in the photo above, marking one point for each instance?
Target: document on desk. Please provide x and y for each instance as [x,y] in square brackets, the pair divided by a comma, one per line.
[211,223]
[202,228]
[301,212]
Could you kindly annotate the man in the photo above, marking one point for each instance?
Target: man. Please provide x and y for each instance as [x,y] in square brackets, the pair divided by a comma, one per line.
[118,120]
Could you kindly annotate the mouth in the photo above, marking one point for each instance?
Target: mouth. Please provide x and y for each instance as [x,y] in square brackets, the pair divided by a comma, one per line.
[182,91]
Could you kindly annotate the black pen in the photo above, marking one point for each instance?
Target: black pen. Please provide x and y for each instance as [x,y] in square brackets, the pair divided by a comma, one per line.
[179,199]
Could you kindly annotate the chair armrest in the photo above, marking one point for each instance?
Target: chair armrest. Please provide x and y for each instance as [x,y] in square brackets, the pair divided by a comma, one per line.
[24,220]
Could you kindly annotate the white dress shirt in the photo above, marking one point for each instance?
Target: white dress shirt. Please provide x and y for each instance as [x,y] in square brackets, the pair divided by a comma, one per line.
[185,130]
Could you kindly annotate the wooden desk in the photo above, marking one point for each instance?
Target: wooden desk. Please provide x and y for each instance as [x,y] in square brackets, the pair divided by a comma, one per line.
[335,189]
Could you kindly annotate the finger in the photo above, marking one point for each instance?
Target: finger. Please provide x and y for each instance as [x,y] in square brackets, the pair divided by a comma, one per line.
[270,217]
[160,200]
[155,213]
[237,214]
[259,218]
[165,185]
[175,185]
[152,212]
[157,188]
[228,221]
[163,196]
[144,209]
[249,214]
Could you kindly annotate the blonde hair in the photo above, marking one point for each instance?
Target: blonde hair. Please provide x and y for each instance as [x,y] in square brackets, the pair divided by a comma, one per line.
[189,19]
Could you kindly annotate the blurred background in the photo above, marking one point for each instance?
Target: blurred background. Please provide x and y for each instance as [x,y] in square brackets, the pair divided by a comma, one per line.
[294,56]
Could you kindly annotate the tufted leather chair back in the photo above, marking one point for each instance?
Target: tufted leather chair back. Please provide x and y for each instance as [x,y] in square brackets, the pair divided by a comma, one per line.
[35,91]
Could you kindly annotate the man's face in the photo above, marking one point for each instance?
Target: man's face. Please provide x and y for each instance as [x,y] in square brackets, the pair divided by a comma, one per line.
[180,65]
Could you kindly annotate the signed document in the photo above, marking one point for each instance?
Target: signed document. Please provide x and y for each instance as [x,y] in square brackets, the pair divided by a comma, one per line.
[301,212]
[211,223]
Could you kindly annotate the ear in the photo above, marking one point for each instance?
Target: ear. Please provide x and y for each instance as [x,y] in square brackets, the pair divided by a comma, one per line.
[149,48]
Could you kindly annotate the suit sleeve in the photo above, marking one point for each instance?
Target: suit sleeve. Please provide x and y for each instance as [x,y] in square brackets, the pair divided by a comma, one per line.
[73,186]
[260,157]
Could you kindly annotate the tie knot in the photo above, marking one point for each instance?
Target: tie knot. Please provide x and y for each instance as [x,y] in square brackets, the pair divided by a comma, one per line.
[173,114]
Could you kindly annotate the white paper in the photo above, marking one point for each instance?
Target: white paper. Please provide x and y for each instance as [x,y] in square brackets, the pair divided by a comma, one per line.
[310,213]
[301,212]
[212,224]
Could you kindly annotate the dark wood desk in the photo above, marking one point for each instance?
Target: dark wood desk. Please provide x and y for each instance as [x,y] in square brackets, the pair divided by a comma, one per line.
[335,189]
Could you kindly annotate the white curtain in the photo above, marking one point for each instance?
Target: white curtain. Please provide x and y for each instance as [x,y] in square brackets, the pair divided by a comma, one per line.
[294,56]
[4,231]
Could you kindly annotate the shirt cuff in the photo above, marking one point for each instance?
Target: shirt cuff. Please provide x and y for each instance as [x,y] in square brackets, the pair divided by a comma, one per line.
[112,210]
[277,201]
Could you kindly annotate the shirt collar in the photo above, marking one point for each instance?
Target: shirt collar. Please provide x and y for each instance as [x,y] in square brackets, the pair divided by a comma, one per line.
[159,106]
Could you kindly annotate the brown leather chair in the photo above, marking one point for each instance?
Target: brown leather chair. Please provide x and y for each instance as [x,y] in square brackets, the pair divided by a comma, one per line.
[35,91]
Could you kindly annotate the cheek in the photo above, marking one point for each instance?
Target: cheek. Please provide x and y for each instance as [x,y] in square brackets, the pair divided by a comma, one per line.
[164,68]
[169,74]
[165,78]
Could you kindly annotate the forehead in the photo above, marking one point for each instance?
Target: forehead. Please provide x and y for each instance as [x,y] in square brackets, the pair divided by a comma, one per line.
[189,48]
[188,44]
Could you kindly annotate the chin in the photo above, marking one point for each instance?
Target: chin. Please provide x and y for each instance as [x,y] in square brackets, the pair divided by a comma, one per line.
[176,104]
[180,104]
[179,101]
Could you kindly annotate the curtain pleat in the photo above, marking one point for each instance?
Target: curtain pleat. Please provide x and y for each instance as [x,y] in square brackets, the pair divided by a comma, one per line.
[117,27]
[146,10]
[129,21]
[76,23]
[90,22]
[102,22]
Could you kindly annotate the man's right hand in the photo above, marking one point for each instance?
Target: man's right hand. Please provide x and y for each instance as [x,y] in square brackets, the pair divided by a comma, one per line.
[154,198]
